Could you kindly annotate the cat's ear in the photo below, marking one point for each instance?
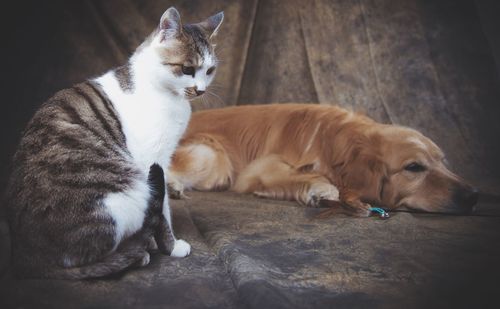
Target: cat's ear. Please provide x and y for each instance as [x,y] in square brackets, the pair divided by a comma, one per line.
[212,24]
[170,24]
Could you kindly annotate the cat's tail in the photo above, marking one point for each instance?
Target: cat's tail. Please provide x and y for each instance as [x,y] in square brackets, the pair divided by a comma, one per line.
[133,252]
[156,183]
[112,264]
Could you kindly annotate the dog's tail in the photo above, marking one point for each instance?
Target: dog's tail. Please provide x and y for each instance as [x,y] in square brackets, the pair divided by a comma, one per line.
[132,253]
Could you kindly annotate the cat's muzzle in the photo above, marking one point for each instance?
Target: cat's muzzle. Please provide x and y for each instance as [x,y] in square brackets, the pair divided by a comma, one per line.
[193,92]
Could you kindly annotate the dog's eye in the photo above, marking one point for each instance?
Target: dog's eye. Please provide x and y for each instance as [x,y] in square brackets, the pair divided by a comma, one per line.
[210,70]
[415,167]
[188,70]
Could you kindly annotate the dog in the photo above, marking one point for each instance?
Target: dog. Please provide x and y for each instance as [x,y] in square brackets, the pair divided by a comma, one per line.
[317,155]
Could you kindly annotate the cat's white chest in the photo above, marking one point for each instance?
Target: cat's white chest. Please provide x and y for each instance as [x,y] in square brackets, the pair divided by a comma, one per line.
[153,136]
[152,121]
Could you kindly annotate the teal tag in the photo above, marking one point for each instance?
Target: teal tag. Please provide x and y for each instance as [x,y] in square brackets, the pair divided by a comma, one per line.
[382,213]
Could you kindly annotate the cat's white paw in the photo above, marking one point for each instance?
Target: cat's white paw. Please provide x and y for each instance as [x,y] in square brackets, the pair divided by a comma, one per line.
[145,260]
[181,248]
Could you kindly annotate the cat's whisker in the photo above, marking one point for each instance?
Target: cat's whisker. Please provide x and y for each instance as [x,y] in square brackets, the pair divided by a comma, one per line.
[220,48]
[206,104]
[217,96]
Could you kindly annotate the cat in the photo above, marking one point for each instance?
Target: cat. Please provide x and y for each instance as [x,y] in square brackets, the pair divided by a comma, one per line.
[86,196]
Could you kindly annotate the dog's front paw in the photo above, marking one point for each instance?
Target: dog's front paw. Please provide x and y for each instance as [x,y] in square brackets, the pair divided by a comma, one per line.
[181,249]
[175,190]
[360,209]
[320,192]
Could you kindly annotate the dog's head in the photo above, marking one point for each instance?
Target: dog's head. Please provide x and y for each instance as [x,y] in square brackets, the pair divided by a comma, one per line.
[403,168]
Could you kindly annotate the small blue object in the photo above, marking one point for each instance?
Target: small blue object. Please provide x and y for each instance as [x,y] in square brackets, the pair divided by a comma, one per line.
[383,214]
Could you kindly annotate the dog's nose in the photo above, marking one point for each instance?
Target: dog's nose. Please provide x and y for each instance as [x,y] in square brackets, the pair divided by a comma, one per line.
[200,92]
[470,197]
[466,198]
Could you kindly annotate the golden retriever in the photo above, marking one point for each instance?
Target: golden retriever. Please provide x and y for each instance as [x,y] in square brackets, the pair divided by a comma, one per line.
[316,154]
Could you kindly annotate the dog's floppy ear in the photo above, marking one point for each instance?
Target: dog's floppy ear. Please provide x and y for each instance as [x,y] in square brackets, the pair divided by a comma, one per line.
[365,174]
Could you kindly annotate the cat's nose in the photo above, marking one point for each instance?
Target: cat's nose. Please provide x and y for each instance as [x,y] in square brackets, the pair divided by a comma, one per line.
[200,92]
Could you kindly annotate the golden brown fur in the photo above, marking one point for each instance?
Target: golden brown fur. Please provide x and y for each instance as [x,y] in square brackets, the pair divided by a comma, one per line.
[309,153]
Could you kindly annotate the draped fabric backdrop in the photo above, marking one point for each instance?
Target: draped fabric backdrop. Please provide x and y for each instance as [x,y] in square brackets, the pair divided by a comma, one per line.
[421,63]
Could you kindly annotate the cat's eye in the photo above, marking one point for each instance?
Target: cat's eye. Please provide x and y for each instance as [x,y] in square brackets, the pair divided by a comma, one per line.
[415,167]
[188,70]
[210,70]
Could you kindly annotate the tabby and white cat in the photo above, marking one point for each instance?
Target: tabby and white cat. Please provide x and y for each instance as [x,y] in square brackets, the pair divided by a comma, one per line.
[87,190]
